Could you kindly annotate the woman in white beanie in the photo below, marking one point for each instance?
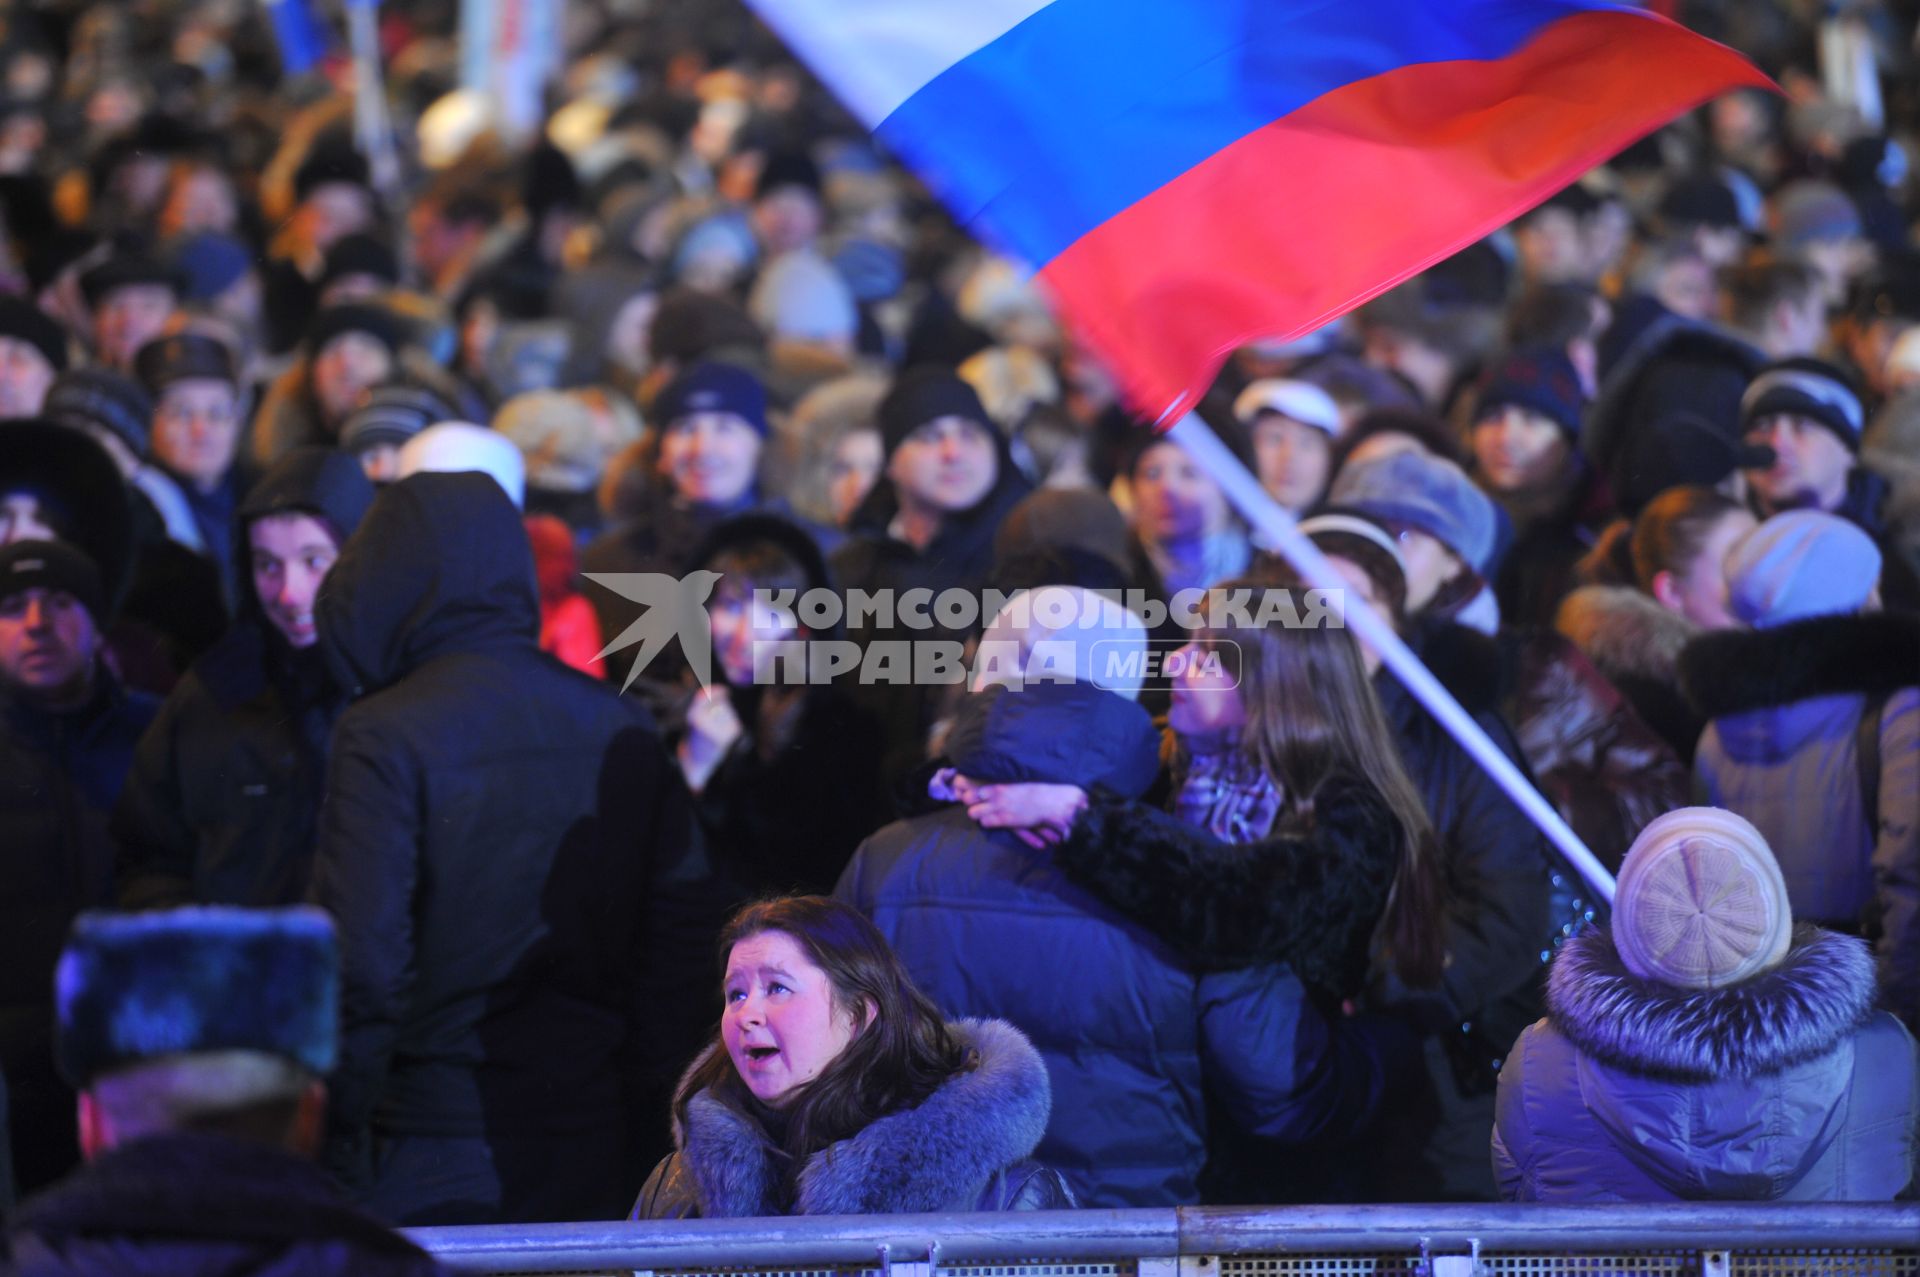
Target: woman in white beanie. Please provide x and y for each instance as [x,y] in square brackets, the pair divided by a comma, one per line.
[1706,1048]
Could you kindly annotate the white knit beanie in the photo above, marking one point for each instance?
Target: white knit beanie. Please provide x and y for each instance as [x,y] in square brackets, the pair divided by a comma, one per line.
[1700,902]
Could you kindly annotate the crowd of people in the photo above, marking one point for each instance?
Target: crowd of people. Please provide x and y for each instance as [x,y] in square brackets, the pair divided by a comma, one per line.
[573,557]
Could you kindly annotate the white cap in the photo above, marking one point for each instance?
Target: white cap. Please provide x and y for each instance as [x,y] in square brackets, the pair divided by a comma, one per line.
[456,446]
[1301,400]
[1062,633]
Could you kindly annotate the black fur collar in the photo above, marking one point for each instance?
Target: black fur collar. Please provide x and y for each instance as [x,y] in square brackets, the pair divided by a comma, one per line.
[1797,1011]
[1732,671]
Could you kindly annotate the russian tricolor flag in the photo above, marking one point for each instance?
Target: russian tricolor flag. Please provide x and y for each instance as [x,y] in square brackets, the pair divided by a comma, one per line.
[1188,175]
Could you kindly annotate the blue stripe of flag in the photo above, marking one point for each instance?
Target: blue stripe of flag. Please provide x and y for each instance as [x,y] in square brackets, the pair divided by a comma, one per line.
[1088,106]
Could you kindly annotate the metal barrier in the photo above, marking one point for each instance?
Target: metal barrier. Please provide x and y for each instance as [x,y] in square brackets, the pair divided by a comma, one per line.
[1672,1240]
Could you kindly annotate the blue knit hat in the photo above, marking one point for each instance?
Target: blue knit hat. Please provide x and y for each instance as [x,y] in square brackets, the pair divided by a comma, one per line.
[133,987]
[208,264]
[1424,493]
[1540,379]
[1800,564]
[711,386]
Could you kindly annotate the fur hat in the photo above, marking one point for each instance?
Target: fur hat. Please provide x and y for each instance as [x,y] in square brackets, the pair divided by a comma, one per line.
[455,446]
[124,270]
[131,987]
[1809,388]
[565,446]
[1700,901]
[1424,493]
[182,357]
[1800,564]
[53,565]
[376,322]
[358,254]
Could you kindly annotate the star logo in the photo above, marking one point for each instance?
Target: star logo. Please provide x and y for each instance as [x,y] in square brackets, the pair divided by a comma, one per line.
[675,607]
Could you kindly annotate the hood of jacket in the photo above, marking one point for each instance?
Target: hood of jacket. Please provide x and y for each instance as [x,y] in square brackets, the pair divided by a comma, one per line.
[440,564]
[1737,671]
[771,525]
[1626,633]
[1059,733]
[917,1160]
[1720,1092]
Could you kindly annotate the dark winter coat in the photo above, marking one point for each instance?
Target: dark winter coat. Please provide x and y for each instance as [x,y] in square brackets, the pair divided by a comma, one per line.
[966,1147]
[1865,505]
[1783,750]
[1139,1044]
[1506,897]
[224,795]
[502,845]
[1605,771]
[1784,1087]
[1310,898]
[960,557]
[1635,643]
[60,775]
[801,787]
[190,1205]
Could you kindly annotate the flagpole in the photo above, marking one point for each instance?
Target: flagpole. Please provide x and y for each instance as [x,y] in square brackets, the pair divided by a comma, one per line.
[1265,514]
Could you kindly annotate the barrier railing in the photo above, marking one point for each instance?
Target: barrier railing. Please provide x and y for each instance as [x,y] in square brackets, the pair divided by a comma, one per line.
[1674,1240]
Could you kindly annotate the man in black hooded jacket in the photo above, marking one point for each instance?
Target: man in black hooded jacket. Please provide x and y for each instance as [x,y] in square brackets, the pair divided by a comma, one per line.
[223,798]
[508,855]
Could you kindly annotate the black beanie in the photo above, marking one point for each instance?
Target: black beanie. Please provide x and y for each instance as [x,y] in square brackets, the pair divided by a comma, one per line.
[924,394]
[165,360]
[24,321]
[376,322]
[95,397]
[53,565]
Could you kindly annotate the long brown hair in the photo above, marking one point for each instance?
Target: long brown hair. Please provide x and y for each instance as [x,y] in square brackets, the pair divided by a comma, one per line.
[900,1058]
[1312,716]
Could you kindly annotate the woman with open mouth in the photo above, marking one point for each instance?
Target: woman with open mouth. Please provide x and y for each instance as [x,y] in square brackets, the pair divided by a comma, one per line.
[834,1087]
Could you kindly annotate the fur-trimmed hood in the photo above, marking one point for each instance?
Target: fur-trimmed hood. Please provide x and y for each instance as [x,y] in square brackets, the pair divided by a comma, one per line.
[1625,632]
[1794,1013]
[1734,671]
[943,1152]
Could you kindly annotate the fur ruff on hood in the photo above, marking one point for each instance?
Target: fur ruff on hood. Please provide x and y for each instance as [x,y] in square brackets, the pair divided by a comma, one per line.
[1625,632]
[917,1160]
[1733,671]
[1797,1011]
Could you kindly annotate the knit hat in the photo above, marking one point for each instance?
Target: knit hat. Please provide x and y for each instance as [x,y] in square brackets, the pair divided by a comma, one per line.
[1807,212]
[208,264]
[376,322]
[1300,400]
[1682,450]
[358,254]
[95,399]
[710,386]
[53,565]
[1424,493]
[565,445]
[1347,525]
[1804,387]
[181,357]
[456,446]
[924,394]
[1539,379]
[132,987]
[392,414]
[21,320]
[332,159]
[81,494]
[1800,564]
[1700,201]
[1700,902]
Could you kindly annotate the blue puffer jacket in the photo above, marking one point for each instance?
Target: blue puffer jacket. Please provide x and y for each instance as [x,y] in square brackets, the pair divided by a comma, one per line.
[991,928]
[1784,1087]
